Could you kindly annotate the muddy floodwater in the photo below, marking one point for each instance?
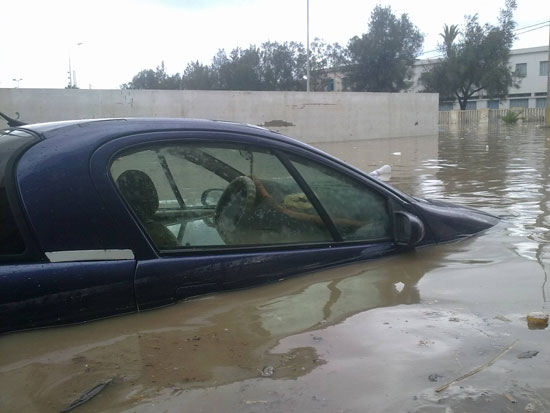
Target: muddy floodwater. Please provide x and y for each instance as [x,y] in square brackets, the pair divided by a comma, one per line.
[379,336]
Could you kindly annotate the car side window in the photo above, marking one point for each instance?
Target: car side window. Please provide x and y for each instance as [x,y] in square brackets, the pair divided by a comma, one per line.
[358,212]
[191,195]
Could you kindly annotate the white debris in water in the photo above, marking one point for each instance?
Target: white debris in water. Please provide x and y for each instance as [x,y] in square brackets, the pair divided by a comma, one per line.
[399,286]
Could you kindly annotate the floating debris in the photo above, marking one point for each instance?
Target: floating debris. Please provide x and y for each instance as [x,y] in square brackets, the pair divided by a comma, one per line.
[399,286]
[480,368]
[383,170]
[530,407]
[527,354]
[268,371]
[87,396]
[434,377]
[537,320]
[502,318]
[510,398]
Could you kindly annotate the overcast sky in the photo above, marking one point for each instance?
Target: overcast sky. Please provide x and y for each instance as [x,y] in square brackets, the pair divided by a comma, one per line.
[109,41]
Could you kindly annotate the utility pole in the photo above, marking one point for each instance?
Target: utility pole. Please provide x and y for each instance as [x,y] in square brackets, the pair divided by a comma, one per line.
[70,73]
[307,80]
[547,111]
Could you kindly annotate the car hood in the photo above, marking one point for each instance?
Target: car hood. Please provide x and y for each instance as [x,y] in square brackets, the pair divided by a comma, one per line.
[448,221]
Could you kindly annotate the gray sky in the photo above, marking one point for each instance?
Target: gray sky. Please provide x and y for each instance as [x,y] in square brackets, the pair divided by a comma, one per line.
[121,37]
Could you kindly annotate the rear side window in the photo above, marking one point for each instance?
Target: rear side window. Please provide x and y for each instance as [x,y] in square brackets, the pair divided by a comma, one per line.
[12,143]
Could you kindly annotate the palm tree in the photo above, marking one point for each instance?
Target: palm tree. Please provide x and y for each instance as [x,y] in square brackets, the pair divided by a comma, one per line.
[449,35]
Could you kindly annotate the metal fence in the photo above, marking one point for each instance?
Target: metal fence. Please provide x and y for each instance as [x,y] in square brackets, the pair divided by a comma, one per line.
[492,115]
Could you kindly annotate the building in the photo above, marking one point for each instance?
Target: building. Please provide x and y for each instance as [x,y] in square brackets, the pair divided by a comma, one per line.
[530,64]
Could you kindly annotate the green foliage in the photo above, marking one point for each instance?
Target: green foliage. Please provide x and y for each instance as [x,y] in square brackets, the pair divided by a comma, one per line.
[382,58]
[197,76]
[282,66]
[272,66]
[511,117]
[154,79]
[324,56]
[449,35]
[477,62]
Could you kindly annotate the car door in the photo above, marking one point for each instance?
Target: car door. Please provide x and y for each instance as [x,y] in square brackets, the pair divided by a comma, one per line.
[221,211]
[57,266]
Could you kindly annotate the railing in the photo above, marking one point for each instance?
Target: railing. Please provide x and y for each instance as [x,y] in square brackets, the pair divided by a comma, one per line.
[492,115]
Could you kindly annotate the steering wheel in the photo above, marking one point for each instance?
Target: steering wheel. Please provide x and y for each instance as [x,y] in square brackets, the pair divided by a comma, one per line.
[236,202]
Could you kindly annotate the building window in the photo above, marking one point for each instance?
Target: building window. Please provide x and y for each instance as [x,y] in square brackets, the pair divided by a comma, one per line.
[519,103]
[330,85]
[519,95]
[543,68]
[521,69]
[471,105]
[541,102]
[493,104]
[445,106]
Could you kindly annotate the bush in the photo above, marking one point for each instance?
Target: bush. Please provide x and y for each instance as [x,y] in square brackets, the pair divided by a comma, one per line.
[511,116]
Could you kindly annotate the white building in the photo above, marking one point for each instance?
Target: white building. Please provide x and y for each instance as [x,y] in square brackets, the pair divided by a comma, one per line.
[531,66]
[530,63]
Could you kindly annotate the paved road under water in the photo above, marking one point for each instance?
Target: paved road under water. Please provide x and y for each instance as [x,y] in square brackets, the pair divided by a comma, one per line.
[371,337]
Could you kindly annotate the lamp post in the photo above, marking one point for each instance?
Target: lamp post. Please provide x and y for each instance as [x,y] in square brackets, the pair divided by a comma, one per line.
[308,69]
[17,80]
[71,73]
[547,109]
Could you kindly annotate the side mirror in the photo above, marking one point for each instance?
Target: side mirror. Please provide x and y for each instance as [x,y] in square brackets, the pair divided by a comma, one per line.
[408,229]
[210,197]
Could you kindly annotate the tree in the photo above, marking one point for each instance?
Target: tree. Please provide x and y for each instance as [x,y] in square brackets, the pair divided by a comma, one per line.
[238,71]
[154,79]
[381,60]
[272,66]
[282,66]
[197,76]
[477,62]
[325,56]
[449,35]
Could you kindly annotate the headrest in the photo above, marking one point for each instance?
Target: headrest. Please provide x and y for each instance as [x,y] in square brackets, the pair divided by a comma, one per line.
[139,191]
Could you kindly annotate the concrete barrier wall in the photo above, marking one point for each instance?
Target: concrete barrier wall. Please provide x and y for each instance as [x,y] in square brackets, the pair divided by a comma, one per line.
[310,117]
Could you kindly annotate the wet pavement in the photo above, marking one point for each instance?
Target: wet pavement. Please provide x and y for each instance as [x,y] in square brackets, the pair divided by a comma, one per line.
[380,336]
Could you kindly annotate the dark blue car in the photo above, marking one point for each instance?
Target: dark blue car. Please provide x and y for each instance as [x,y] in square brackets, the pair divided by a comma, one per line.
[105,217]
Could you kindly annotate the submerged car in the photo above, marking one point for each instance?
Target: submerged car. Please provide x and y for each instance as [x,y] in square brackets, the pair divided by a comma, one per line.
[104,217]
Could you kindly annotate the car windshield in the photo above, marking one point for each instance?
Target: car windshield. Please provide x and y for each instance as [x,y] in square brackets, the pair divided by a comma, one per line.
[11,143]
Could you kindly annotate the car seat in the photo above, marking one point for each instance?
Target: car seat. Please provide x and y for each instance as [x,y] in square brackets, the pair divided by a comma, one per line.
[139,191]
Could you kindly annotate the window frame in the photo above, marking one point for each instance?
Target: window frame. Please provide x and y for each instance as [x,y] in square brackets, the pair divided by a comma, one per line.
[523,72]
[544,63]
[278,149]
[31,253]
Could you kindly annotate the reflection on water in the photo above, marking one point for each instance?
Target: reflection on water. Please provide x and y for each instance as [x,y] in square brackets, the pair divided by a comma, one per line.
[218,339]
[359,338]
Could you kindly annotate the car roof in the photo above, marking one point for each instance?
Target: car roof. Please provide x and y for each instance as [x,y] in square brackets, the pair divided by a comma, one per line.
[105,128]
[92,133]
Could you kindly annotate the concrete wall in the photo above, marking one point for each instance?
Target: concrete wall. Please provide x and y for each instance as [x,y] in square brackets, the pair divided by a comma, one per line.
[310,117]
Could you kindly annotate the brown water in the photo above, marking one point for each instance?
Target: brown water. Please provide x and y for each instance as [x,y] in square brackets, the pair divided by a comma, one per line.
[361,338]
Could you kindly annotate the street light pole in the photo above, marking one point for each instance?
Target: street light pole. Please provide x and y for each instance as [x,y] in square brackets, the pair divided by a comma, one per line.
[72,75]
[547,111]
[307,80]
